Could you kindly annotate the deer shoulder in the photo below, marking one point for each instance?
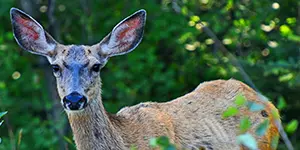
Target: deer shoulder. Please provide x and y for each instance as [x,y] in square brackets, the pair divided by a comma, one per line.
[195,119]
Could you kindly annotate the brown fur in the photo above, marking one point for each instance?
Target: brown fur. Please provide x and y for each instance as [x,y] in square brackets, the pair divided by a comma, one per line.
[191,121]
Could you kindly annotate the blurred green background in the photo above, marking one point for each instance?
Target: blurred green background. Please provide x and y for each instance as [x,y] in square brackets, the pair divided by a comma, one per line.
[173,58]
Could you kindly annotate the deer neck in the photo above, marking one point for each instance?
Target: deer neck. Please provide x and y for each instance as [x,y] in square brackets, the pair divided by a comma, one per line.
[93,130]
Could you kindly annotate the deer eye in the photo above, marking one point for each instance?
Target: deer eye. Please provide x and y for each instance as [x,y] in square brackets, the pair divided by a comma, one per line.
[55,68]
[96,67]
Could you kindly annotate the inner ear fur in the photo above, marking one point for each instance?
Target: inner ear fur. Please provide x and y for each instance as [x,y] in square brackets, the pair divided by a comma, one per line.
[30,35]
[125,36]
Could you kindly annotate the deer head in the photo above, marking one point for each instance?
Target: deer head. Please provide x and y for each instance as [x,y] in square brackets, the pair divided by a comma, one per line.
[77,67]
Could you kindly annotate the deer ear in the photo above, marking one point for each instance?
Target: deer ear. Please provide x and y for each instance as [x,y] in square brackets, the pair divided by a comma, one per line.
[125,36]
[30,35]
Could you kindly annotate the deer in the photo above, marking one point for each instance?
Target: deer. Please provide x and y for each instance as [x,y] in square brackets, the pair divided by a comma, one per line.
[192,121]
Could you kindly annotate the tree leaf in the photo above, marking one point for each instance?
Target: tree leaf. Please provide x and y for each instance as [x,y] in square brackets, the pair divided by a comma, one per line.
[19,138]
[285,30]
[286,77]
[2,114]
[170,147]
[195,18]
[68,140]
[245,124]
[153,142]
[255,106]
[248,141]
[262,128]
[292,126]
[240,100]
[230,111]
[163,141]
[133,147]
[1,122]
[281,103]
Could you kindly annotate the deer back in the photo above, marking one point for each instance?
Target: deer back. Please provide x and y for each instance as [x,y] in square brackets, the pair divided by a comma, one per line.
[195,120]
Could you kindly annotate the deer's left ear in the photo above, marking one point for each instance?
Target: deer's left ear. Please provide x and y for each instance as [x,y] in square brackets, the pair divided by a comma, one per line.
[125,36]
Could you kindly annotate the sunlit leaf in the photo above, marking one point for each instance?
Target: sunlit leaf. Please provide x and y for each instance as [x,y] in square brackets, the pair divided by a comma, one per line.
[292,126]
[163,141]
[2,114]
[19,138]
[247,140]
[1,122]
[255,106]
[285,30]
[230,111]
[286,77]
[133,147]
[195,18]
[240,100]
[153,142]
[291,20]
[262,128]
[184,10]
[68,140]
[170,147]
[229,5]
[281,103]
[294,38]
[245,124]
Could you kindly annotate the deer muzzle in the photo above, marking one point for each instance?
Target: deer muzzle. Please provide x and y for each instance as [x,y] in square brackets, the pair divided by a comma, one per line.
[74,101]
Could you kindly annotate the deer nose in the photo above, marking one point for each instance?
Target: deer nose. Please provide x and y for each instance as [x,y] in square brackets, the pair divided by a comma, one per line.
[74,101]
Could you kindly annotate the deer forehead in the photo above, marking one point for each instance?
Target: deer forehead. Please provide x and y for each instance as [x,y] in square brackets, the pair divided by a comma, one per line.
[75,55]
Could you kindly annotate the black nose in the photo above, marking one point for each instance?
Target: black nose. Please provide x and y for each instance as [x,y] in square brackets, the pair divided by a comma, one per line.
[74,101]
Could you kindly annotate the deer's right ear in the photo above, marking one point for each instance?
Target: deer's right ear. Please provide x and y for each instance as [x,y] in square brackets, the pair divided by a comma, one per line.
[30,35]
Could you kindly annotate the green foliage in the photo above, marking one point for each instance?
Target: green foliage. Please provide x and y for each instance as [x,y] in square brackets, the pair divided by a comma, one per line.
[133,147]
[255,106]
[240,100]
[230,111]
[173,58]
[248,141]
[281,103]
[245,138]
[70,141]
[292,126]
[262,128]
[245,124]
[162,142]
